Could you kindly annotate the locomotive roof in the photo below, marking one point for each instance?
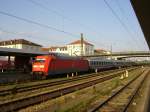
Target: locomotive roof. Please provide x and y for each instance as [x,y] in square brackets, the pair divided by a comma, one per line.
[98,59]
[63,56]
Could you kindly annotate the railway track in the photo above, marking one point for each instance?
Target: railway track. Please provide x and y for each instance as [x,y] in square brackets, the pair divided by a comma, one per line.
[48,84]
[121,99]
[41,97]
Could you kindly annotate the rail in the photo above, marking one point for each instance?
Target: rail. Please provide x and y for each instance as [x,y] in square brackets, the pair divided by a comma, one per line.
[41,97]
[120,91]
[33,87]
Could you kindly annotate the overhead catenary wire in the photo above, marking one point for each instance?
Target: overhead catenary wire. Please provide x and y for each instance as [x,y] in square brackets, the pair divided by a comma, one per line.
[37,23]
[12,32]
[123,14]
[69,19]
[20,34]
[50,10]
[26,35]
[120,21]
[40,24]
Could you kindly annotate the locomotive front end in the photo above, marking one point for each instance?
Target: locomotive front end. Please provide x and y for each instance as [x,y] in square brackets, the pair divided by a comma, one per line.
[39,67]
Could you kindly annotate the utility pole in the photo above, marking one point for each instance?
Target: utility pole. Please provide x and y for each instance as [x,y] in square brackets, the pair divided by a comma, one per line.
[82,44]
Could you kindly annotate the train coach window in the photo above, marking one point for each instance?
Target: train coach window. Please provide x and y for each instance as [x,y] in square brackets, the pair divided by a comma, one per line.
[40,60]
[91,63]
[104,63]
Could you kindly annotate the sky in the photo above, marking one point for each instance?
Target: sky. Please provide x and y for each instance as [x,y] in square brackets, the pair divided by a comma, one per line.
[59,22]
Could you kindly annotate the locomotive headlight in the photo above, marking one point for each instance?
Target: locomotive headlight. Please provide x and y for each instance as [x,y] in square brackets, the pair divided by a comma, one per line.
[41,66]
[35,66]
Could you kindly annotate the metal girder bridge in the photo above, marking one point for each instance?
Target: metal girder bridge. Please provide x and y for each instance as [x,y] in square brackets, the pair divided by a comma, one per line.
[123,54]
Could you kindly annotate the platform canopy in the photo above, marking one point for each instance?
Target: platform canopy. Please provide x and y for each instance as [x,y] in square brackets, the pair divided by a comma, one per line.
[142,11]
[20,52]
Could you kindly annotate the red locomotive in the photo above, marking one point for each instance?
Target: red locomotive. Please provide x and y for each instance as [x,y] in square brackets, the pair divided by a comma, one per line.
[57,64]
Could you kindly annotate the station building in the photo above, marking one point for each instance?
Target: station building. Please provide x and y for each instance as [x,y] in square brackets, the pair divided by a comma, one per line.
[21,44]
[73,48]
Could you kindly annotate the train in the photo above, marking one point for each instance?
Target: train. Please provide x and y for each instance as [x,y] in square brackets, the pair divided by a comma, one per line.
[19,64]
[6,66]
[56,63]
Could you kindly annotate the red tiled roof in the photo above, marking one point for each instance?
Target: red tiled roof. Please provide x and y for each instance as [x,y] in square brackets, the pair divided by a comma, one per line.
[79,42]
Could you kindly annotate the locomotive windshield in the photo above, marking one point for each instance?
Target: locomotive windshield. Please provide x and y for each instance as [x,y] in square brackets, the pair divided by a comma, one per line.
[40,60]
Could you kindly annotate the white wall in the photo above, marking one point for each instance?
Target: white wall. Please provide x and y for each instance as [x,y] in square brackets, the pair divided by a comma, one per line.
[23,46]
[60,51]
[75,49]
[18,46]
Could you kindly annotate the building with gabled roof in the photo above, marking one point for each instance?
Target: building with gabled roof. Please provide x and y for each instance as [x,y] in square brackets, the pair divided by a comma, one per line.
[75,48]
[20,44]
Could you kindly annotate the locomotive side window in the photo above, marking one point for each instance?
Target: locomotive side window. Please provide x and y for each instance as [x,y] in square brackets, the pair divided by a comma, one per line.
[40,60]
